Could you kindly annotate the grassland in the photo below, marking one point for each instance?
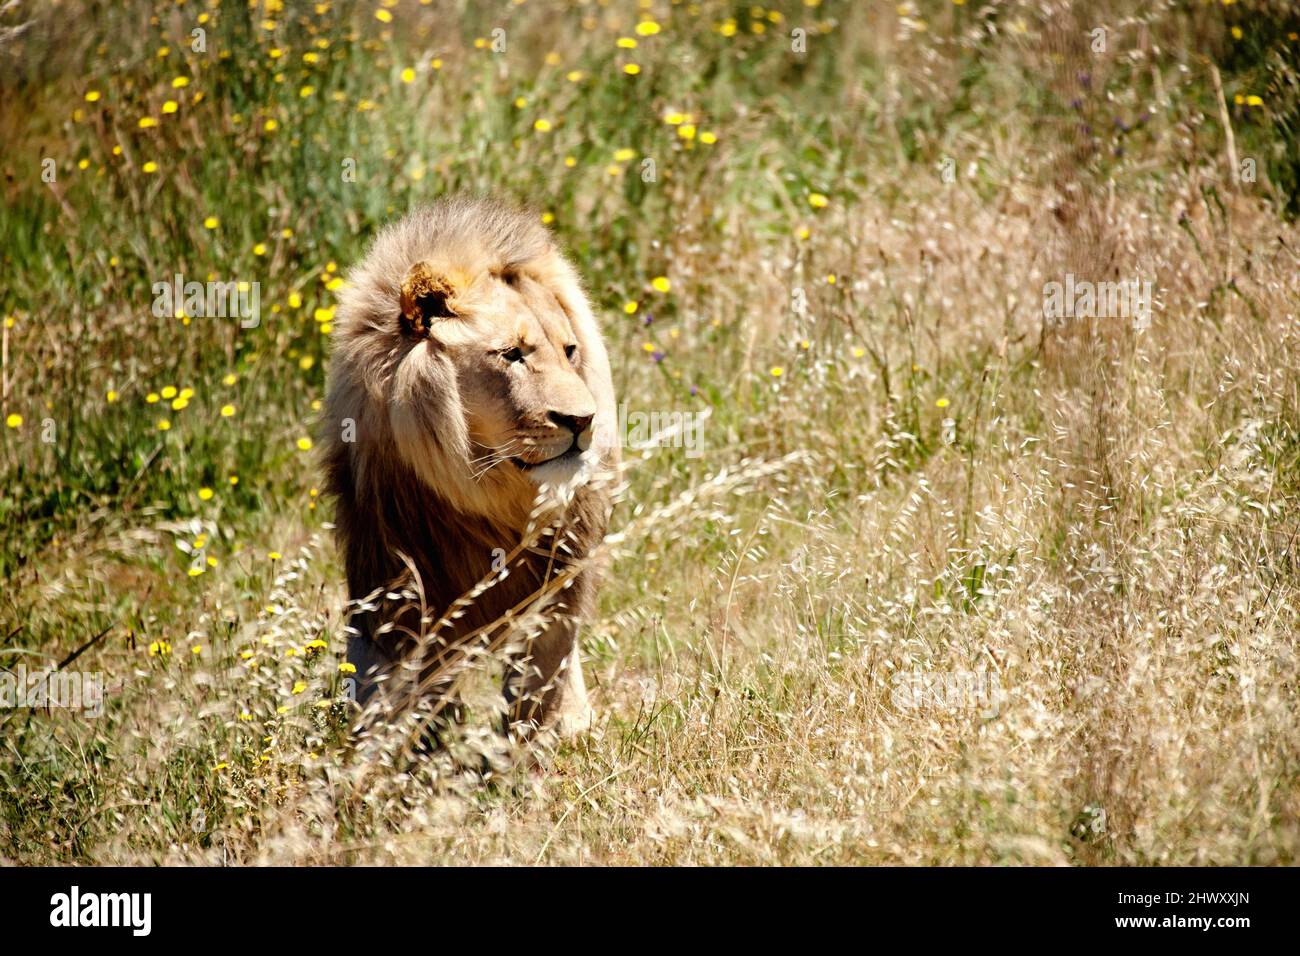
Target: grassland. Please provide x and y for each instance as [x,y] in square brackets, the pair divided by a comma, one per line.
[907,476]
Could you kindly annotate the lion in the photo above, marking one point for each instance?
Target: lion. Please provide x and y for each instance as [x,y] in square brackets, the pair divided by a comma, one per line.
[469,398]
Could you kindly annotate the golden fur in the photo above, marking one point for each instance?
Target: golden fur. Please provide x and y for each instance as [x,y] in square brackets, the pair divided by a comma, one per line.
[469,389]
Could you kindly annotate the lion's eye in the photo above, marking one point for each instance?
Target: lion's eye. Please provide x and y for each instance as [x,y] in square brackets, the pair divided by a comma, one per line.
[570,352]
[515,354]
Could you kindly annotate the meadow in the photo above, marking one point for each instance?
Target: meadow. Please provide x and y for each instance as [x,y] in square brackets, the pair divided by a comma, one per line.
[950,579]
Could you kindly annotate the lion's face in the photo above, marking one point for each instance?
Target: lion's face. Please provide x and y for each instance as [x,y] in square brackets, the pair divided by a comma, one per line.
[517,365]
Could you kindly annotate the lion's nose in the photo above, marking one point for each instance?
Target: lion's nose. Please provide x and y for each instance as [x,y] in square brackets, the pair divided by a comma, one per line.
[574,423]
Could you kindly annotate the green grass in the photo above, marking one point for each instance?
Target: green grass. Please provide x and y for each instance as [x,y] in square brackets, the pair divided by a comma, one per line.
[911,475]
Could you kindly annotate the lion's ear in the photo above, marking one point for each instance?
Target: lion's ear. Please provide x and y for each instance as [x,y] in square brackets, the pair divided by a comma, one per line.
[424,298]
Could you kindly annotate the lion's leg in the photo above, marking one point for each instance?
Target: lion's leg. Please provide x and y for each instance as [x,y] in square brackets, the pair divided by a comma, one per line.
[544,686]
[383,690]
[575,715]
[372,666]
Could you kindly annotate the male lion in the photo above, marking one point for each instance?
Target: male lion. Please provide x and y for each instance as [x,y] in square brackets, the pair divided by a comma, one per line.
[469,396]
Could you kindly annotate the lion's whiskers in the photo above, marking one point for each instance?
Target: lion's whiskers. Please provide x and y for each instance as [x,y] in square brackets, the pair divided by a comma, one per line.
[496,455]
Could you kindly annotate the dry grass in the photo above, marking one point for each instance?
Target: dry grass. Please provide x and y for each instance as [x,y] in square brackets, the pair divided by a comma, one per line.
[1099,522]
